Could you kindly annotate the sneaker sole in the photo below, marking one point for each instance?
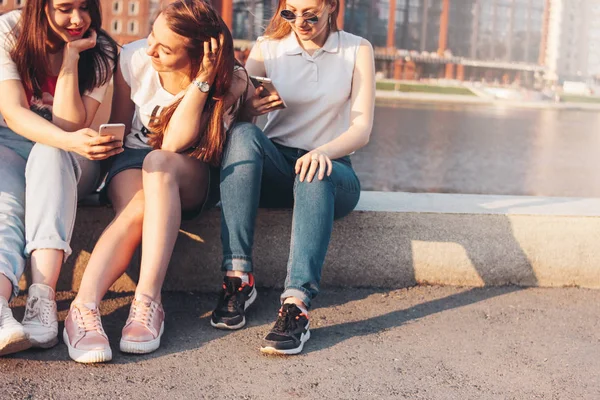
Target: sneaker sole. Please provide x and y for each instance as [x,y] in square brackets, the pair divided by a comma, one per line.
[142,347]
[43,343]
[288,352]
[14,343]
[86,356]
[223,325]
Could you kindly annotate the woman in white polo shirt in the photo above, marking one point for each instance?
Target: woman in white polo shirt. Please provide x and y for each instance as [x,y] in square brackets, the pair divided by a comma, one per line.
[326,78]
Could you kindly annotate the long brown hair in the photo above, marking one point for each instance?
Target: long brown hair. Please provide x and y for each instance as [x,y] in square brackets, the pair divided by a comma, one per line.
[279,28]
[30,52]
[197,21]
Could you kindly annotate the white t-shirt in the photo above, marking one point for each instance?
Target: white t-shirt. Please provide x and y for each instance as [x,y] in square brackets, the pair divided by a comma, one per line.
[8,71]
[147,93]
[316,89]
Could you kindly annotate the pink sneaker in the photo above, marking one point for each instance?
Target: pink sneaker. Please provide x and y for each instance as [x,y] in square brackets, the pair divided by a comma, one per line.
[144,327]
[84,334]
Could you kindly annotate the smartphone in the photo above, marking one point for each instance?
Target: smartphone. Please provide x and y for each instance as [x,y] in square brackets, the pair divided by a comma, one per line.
[269,88]
[116,130]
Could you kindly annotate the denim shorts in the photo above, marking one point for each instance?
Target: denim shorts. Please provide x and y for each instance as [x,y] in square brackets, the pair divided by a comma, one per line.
[134,159]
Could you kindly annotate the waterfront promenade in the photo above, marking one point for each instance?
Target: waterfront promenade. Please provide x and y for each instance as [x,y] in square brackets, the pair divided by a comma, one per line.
[418,343]
[424,342]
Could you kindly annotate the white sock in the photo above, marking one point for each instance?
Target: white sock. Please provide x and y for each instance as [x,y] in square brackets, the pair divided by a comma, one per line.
[245,277]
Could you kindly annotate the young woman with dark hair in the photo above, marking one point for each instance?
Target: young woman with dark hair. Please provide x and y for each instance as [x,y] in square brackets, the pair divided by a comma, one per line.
[326,77]
[55,65]
[173,92]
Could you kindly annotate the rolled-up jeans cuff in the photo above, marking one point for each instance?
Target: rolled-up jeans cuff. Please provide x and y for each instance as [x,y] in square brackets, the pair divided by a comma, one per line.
[13,280]
[299,293]
[51,244]
[234,263]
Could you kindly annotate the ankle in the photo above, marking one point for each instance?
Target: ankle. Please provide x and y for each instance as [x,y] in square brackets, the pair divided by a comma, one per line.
[155,297]
[244,276]
[236,274]
[299,303]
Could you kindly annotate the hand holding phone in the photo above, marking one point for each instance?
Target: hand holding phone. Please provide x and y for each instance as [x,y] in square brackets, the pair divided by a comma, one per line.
[116,130]
[268,89]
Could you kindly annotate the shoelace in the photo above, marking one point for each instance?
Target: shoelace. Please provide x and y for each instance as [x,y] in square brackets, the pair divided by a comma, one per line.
[287,320]
[230,296]
[34,305]
[142,312]
[89,320]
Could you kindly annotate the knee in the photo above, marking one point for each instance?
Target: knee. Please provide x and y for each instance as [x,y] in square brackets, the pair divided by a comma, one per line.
[159,161]
[47,157]
[314,189]
[242,138]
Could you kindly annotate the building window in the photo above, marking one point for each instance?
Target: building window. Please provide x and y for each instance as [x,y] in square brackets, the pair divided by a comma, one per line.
[116,26]
[134,7]
[117,6]
[133,27]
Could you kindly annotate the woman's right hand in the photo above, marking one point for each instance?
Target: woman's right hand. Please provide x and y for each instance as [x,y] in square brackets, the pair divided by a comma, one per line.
[89,144]
[257,105]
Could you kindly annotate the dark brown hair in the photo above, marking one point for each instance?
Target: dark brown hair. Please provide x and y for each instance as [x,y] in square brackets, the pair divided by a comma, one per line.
[30,52]
[197,21]
[279,28]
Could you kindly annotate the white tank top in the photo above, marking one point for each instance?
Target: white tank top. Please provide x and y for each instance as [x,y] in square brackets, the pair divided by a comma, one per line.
[316,89]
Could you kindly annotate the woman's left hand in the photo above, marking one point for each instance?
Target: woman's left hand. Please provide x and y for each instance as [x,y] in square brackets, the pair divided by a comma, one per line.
[208,70]
[307,165]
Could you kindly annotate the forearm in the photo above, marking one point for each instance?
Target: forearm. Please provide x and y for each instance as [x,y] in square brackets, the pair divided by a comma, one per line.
[68,111]
[37,129]
[186,122]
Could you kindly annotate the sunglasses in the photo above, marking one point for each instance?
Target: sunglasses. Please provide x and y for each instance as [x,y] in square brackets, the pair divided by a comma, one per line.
[309,17]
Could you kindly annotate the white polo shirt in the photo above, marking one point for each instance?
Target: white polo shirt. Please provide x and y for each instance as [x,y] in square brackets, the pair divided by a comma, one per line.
[316,89]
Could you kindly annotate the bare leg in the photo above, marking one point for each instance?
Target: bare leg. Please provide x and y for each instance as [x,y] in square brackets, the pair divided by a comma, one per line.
[46,265]
[118,242]
[172,182]
[6,288]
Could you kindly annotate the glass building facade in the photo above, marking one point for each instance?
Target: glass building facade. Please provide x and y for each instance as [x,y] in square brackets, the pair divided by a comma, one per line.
[494,30]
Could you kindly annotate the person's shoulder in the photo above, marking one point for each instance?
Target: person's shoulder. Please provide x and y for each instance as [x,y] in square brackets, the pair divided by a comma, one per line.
[352,39]
[9,20]
[134,53]
[134,47]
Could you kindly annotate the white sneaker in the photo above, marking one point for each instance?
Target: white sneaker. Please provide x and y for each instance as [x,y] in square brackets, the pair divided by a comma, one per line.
[40,321]
[12,335]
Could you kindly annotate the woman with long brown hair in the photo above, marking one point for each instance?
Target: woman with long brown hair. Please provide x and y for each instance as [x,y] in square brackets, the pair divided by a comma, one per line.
[172,91]
[55,66]
[326,78]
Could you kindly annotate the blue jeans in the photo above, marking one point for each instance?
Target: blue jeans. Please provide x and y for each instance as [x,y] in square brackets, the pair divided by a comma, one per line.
[48,180]
[255,173]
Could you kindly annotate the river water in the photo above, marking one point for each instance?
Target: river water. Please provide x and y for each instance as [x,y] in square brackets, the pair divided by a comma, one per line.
[482,149]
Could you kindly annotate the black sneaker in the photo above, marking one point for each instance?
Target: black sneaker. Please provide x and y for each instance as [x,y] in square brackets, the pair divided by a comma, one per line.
[289,333]
[234,299]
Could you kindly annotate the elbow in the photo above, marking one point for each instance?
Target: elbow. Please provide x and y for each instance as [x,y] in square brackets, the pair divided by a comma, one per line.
[366,138]
[69,126]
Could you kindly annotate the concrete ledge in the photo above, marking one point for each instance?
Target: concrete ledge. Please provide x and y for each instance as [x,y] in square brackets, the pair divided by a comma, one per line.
[395,240]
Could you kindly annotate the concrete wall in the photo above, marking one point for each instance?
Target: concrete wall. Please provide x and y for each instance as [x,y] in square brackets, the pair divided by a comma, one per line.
[395,240]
